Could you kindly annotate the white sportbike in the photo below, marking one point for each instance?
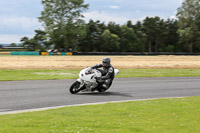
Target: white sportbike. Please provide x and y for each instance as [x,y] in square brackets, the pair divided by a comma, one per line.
[87,81]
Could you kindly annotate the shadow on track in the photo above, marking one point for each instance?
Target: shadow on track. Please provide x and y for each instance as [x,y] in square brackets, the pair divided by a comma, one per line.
[105,94]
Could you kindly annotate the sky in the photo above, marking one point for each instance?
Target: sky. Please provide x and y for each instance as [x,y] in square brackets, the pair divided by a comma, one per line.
[19,18]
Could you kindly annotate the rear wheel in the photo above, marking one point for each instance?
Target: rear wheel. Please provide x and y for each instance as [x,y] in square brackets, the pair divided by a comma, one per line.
[101,89]
[75,87]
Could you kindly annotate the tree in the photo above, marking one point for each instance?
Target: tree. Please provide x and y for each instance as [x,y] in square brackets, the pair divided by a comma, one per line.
[129,24]
[110,42]
[141,36]
[128,40]
[30,44]
[60,17]
[25,42]
[40,40]
[13,45]
[155,31]
[114,28]
[172,38]
[189,24]
[91,41]
[160,35]
[170,48]
[149,26]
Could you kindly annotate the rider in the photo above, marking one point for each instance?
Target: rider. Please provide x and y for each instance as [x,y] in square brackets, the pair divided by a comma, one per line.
[107,73]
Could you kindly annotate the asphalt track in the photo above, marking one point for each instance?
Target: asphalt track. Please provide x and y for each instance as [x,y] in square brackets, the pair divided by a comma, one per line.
[24,95]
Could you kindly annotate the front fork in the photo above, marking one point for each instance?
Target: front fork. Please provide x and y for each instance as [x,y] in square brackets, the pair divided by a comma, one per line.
[81,83]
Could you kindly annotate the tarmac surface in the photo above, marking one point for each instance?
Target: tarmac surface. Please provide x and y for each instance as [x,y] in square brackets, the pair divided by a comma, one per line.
[26,95]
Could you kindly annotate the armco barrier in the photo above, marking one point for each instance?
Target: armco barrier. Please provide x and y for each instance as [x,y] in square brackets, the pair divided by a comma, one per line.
[108,53]
[44,53]
[69,53]
[57,53]
[133,53]
[100,53]
[25,53]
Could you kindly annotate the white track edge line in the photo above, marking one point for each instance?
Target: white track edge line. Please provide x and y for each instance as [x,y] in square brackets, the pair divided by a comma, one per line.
[98,103]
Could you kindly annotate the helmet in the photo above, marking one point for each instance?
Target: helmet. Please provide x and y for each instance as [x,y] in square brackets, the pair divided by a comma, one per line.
[106,62]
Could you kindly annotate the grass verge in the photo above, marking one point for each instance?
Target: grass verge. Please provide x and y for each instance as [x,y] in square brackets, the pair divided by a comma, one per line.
[177,115]
[9,75]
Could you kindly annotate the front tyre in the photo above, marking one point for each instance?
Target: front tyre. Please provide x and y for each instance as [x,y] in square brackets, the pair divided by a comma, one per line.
[75,88]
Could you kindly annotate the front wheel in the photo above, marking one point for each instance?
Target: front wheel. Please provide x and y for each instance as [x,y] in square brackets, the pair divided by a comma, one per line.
[75,87]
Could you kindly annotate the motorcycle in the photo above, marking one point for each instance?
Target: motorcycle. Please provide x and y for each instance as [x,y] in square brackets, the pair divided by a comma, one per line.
[87,82]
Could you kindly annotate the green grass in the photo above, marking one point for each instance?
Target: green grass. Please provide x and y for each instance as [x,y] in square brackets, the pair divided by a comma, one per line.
[178,115]
[9,75]
[127,73]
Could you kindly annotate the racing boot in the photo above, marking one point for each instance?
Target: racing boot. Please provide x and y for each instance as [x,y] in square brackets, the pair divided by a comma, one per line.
[104,87]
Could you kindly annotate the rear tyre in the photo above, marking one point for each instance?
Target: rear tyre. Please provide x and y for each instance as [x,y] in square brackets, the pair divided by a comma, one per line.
[101,90]
[75,88]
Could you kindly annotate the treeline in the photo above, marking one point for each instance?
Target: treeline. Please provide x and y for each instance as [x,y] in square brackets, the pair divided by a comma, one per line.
[66,31]
[151,35]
